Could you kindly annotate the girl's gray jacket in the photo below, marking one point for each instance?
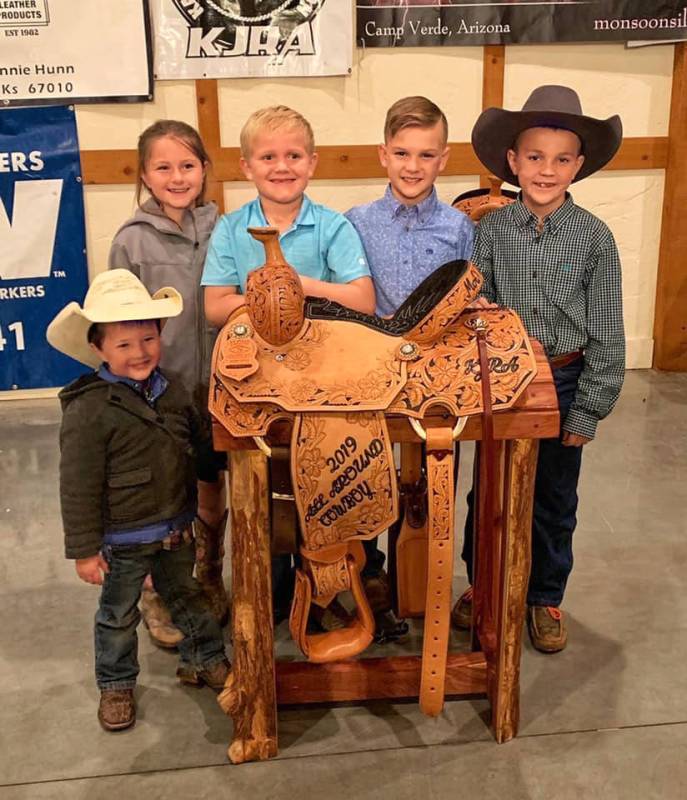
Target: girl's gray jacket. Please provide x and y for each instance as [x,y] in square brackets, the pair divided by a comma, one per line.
[160,254]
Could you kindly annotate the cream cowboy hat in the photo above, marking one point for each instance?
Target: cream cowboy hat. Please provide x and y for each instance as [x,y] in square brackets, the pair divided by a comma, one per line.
[114,296]
[496,130]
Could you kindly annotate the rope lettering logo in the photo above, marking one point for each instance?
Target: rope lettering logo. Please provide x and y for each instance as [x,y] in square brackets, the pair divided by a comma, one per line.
[226,28]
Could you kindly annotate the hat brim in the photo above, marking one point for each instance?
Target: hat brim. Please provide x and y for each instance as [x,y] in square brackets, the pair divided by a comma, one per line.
[497,129]
[68,331]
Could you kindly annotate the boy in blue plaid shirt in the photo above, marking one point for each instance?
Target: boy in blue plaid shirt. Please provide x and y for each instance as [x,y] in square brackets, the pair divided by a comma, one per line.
[557,265]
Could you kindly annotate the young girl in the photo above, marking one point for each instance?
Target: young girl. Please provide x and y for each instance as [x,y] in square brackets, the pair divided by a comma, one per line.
[164,244]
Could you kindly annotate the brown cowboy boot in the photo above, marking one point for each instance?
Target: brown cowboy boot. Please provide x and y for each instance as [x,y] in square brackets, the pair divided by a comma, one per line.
[158,620]
[215,676]
[209,558]
[461,615]
[117,709]
[388,627]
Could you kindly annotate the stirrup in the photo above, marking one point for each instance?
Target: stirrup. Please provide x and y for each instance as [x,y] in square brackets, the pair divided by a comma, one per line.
[337,645]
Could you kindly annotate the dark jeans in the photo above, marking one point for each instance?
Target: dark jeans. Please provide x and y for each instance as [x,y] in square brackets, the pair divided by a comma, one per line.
[116,642]
[555,506]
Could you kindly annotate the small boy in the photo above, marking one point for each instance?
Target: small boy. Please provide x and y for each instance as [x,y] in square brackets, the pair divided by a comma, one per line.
[557,265]
[409,232]
[127,484]
[278,155]
[407,235]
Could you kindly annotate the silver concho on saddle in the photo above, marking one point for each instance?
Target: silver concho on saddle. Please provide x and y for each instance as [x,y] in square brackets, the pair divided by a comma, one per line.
[336,375]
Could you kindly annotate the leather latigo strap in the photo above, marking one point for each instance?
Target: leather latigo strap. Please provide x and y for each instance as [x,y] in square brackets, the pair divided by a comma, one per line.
[484,612]
[440,569]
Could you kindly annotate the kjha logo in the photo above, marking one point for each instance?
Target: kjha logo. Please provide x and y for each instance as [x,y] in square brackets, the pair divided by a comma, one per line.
[226,28]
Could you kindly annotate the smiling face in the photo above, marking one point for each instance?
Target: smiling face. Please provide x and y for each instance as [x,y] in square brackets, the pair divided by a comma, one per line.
[545,161]
[174,176]
[130,349]
[413,158]
[280,165]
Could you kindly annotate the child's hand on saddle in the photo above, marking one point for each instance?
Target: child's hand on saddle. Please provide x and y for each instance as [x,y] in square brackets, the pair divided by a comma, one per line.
[574,439]
[482,302]
[92,569]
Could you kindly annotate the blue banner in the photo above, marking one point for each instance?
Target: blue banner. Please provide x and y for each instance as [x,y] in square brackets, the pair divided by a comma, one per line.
[42,242]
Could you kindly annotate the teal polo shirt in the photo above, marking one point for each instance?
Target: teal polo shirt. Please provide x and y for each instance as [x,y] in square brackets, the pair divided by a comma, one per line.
[321,244]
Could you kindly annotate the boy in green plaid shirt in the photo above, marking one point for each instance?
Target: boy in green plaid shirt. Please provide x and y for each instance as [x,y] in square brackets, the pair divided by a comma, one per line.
[557,265]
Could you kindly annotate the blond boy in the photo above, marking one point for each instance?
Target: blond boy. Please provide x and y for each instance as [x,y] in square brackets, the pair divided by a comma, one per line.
[278,156]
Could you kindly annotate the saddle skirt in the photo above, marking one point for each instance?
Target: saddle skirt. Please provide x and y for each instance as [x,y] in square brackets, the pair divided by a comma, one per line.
[336,374]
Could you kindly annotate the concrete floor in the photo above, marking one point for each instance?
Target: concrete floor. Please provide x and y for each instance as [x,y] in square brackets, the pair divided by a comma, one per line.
[605,719]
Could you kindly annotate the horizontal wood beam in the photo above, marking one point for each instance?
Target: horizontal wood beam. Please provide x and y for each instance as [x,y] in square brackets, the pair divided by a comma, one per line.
[108,167]
[353,162]
[299,682]
[641,152]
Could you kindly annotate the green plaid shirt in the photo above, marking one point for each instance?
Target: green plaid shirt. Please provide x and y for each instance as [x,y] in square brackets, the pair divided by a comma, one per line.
[566,284]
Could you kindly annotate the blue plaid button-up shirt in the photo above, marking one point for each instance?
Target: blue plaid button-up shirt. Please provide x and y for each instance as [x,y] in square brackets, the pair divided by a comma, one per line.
[405,244]
[565,282]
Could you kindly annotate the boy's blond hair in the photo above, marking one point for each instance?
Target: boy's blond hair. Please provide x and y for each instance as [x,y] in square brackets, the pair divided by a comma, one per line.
[271,119]
[413,112]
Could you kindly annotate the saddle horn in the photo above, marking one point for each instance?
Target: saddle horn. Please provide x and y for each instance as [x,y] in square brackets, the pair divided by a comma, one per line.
[274,295]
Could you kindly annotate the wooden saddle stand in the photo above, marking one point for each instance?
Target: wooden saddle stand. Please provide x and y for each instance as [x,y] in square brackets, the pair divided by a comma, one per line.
[341,387]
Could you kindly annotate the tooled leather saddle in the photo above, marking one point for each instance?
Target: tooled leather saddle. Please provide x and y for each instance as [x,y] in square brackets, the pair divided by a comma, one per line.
[336,375]
[477,203]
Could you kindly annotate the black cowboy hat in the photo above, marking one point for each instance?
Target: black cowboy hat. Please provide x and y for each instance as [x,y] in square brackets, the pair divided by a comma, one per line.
[496,130]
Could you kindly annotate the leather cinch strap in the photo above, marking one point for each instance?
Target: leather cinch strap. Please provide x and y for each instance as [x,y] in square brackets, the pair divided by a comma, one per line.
[440,569]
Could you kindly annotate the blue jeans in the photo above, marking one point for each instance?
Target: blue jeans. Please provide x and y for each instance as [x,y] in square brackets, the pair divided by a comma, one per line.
[116,642]
[555,506]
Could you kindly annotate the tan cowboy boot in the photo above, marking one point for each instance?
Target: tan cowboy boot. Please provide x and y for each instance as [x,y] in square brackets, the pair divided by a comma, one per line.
[547,629]
[158,620]
[209,558]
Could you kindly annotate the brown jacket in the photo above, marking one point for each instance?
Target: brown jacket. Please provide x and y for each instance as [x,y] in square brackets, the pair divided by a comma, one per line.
[124,464]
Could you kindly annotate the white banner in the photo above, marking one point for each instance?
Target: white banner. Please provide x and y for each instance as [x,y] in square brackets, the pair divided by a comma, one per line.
[252,38]
[73,51]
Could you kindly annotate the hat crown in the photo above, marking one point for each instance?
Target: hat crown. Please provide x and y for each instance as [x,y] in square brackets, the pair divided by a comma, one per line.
[116,287]
[561,99]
